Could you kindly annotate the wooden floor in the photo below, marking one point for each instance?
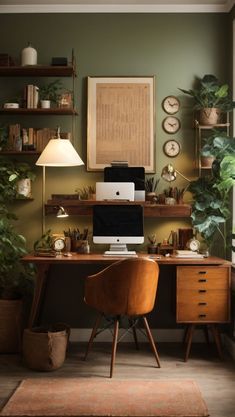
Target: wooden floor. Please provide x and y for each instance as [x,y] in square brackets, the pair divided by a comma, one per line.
[215,378]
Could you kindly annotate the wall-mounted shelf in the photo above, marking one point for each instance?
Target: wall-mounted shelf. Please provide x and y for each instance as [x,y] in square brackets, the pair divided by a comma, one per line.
[84,208]
[38,71]
[55,111]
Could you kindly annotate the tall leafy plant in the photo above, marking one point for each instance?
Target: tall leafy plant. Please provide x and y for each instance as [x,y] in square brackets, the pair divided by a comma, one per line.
[211,194]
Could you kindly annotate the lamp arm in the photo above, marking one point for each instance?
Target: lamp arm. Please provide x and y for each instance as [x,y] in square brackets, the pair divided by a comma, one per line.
[182,175]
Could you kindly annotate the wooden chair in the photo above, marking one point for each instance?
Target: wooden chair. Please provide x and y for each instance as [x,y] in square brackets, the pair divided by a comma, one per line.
[126,288]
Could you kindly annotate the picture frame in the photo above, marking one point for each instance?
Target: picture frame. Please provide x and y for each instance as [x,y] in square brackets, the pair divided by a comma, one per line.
[121,122]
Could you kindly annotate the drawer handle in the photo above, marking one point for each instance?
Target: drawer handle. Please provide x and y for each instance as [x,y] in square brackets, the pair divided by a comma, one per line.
[201,290]
[202,280]
[202,316]
[202,304]
[202,272]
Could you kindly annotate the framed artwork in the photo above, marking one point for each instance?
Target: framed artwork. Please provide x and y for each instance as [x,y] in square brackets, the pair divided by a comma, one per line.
[121,122]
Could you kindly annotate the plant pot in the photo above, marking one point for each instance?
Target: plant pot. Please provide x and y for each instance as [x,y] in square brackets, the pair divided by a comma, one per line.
[44,349]
[152,248]
[209,116]
[24,187]
[151,197]
[10,325]
[207,161]
[45,104]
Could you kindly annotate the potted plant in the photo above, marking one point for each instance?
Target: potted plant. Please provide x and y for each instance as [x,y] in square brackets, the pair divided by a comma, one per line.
[217,145]
[150,186]
[50,93]
[152,246]
[211,194]
[16,281]
[15,179]
[211,98]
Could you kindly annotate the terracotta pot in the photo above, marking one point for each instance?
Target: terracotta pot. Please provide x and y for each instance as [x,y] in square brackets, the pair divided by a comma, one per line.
[207,161]
[209,116]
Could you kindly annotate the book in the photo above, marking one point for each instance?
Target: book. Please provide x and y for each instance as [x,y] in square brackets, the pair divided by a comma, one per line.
[188,254]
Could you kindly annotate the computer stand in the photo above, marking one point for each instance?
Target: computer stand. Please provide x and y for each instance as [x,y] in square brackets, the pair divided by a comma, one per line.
[119,250]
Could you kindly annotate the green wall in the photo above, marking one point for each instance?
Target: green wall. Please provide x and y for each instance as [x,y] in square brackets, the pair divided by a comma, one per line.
[173,47]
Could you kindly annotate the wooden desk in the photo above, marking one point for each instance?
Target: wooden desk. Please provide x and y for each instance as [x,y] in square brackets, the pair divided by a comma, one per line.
[44,263]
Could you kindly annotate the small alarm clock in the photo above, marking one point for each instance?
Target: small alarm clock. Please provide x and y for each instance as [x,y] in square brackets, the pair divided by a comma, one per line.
[58,245]
[193,244]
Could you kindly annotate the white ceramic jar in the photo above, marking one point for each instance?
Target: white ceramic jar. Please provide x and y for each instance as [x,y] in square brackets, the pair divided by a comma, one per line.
[28,56]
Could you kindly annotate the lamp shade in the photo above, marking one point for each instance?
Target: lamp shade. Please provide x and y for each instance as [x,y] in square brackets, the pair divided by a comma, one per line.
[59,153]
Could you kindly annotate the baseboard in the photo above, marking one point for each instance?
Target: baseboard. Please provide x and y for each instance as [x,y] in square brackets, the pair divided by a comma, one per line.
[160,335]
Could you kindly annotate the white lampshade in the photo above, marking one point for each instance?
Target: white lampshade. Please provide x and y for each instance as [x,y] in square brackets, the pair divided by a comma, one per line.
[59,153]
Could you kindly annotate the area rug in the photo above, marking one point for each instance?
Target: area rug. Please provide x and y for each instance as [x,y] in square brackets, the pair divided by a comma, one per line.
[109,397]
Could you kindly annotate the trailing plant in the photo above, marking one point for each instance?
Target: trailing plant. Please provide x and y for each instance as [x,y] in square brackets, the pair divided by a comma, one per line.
[211,194]
[210,93]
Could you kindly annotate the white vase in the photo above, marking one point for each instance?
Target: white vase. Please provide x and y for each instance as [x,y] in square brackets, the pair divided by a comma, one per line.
[24,187]
[28,56]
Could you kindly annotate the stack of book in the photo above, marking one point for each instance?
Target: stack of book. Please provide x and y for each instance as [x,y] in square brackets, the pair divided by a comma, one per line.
[31,96]
[188,254]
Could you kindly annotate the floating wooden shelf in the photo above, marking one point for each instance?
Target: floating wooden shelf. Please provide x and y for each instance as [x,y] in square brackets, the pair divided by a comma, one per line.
[57,111]
[38,71]
[84,208]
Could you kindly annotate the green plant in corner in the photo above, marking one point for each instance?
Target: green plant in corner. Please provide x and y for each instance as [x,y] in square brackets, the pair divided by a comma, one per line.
[10,173]
[211,194]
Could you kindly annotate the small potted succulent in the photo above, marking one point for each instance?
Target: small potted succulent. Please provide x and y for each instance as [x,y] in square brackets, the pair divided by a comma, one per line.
[151,184]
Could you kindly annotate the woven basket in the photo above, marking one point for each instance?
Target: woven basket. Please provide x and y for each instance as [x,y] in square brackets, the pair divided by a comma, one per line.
[10,325]
[43,349]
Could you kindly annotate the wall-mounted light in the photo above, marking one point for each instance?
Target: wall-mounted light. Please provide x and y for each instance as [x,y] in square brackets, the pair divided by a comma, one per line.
[169,173]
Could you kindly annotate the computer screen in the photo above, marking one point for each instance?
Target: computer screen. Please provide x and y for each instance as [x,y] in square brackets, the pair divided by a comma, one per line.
[118,225]
[126,174]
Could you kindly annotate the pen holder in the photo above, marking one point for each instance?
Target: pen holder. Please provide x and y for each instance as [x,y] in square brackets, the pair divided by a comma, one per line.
[80,246]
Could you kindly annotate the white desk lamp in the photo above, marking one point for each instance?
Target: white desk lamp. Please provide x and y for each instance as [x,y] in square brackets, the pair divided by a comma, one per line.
[58,153]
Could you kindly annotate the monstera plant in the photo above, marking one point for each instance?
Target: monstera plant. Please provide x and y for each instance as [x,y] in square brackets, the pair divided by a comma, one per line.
[211,194]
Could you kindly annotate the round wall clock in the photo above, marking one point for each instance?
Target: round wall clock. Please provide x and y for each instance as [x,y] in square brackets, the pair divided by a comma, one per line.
[171,124]
[171,104]
[171,148]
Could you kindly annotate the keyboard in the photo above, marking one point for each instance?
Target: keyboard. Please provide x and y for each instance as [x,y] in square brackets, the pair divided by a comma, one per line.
[130,253]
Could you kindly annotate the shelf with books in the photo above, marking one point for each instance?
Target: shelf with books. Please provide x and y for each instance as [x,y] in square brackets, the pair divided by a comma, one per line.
[52,111]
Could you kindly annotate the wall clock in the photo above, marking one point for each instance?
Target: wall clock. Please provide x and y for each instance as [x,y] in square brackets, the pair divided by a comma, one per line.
[171,148]
[171,124]
[171,104]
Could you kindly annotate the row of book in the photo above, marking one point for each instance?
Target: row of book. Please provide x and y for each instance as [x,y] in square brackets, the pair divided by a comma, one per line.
[31,139]
[31,96]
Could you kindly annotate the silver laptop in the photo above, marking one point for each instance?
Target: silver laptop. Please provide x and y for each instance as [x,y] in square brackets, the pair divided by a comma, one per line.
[115,191]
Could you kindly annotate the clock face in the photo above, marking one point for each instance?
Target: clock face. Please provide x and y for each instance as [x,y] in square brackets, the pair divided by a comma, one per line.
[171,104]
[193,244]
[171,148]
[59,244]
[171,124]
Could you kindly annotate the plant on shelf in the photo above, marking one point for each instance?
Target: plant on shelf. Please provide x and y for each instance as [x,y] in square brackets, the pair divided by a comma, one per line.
[150,186]
[211,194]
[50,92]
[86,193]
[211,98]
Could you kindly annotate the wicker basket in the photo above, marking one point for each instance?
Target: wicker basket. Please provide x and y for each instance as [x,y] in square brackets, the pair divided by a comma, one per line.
[10,325]
[45,349]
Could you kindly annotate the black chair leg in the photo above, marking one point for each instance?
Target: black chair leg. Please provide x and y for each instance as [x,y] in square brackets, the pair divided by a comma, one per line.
[93,334]
[114,346]
[151,341]
[132,323]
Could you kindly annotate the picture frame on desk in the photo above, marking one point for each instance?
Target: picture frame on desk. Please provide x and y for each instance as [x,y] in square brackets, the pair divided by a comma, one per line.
[121,122]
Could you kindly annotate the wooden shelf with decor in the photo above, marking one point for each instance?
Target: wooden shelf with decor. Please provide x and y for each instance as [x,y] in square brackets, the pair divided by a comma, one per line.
[52,111]
[85,208]
[38,71]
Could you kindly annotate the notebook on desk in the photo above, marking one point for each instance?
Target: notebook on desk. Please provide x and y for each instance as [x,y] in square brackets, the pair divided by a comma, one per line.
[115,191]
[188,254]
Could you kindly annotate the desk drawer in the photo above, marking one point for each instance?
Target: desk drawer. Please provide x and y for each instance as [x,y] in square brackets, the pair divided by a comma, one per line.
[208,306]
[199,277]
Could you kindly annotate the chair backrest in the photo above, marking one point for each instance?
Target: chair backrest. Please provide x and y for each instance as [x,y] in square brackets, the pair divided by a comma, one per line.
[125,287]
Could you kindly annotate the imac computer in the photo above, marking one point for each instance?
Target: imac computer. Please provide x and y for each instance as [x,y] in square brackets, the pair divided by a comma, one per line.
[118,225]
[128,174]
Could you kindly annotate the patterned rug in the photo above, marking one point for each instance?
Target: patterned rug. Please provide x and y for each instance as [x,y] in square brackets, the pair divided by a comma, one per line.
[109,397]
